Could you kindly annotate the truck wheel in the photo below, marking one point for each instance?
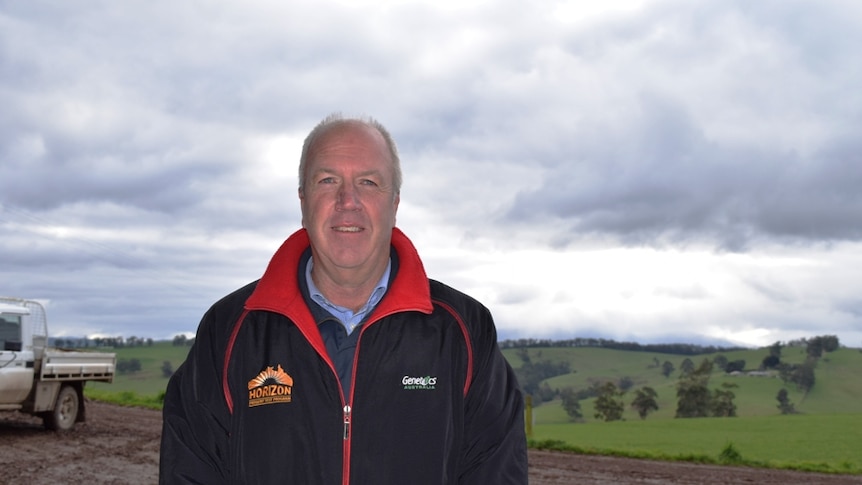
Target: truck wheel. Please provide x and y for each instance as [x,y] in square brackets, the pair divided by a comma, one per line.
[65,412]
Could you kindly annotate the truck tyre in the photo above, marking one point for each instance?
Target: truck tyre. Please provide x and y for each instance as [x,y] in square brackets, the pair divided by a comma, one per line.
[65,412]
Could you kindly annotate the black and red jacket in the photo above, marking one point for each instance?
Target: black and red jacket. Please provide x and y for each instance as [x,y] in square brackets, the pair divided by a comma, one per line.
[258,399]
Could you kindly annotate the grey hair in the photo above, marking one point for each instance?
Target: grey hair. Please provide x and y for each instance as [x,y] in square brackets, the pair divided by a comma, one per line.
[335,119]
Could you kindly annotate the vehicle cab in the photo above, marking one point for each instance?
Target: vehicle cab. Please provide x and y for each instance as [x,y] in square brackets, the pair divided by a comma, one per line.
[16,357]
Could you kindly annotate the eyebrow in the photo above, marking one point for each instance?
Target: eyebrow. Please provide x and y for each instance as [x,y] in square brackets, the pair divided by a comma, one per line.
[330,171]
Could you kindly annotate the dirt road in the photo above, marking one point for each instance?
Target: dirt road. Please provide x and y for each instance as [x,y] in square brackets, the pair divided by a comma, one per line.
[120,445]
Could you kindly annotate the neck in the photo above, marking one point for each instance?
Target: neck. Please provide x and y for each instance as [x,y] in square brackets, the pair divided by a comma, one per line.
[348,289]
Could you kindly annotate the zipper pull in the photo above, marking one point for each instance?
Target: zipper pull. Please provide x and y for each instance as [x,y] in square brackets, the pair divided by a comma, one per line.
[347,422]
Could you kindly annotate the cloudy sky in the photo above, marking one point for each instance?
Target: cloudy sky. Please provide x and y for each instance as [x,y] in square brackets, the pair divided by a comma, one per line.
[653,171]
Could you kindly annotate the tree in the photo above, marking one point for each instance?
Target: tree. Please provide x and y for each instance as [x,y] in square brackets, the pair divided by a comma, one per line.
[128,366]
[720,361]
[775,350]
[686,367]
[722,401]
[784,403]
[692,392]
[645,401]
[667,368]
[830,343]
[571,403]
[608,405]
[625,383]
[735,366]
[803,375]
[535,370]
[179,340]
[814,349]
[545,393]
[770,362]
[167,369]
[820,344]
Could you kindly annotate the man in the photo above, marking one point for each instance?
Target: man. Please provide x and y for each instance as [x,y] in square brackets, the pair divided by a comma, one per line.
[344,363]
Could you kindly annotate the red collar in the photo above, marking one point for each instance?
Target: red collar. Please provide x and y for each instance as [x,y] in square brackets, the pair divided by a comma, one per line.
[278,289]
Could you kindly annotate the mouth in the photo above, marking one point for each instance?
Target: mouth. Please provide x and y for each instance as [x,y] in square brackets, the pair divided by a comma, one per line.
[347,229]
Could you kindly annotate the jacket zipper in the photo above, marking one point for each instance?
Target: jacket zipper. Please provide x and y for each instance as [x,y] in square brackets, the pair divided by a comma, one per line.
[348,408]
[346,454]
[347,422]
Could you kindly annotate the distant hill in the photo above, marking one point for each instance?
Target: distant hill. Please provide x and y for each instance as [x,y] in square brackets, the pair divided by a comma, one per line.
[837,388]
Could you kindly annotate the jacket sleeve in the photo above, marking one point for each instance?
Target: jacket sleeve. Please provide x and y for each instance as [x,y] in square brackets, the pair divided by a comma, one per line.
[195,417]
[496,444]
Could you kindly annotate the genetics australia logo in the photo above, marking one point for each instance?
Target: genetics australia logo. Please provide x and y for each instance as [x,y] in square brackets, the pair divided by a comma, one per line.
[271,386]
[419,383]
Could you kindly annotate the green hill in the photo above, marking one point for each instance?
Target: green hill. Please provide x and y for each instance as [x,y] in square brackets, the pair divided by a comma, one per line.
[837,389]
[150,380]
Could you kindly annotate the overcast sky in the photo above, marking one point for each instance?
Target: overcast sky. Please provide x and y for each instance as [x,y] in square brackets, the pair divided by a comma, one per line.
[654,171]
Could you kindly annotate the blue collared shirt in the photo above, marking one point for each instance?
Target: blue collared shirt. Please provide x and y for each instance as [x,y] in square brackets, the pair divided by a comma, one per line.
[346,316]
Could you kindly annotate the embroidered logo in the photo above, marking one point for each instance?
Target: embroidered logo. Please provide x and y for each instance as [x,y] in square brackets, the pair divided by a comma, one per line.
[271,386]
[419,383]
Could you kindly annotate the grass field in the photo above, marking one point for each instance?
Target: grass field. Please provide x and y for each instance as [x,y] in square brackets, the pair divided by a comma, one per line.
[828,443]
[149,381]
[825,436]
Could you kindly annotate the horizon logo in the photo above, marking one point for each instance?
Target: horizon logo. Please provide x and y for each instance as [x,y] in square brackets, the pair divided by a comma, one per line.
[271,386]
[419,383]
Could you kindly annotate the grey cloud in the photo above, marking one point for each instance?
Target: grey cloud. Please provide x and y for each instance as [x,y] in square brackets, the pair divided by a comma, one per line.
[664,180]
[111,166]
[704,139]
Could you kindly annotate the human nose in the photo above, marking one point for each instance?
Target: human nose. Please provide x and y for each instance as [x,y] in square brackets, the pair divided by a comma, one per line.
[348,198]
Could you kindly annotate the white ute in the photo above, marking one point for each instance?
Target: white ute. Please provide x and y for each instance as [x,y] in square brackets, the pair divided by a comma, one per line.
[41,381]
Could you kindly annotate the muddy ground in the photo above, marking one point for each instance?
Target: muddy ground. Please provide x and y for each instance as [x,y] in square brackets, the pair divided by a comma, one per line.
[120,445]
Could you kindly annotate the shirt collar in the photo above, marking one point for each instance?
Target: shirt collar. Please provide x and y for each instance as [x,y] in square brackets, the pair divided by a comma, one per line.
[347,317]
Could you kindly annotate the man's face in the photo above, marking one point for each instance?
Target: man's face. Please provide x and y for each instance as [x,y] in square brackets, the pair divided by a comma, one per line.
[348,201]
